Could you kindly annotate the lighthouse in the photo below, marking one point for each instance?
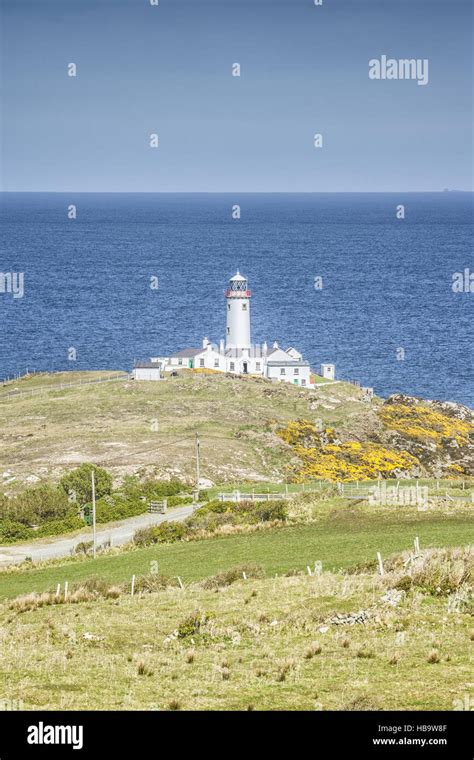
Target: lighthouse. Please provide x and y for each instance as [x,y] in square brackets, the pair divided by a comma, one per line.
[238,313]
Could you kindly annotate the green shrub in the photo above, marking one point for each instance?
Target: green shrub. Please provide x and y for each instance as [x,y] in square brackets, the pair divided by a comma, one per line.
[134,488]
[11,531]
[201,515]
[56,527]
[209,521]
[192,624]
[118,507]
[271,510]
[84,547]
[37,504]
[78,482]
[144,536]
[440,571]
[218,513]
[177,501]
[165,533]
[169,532]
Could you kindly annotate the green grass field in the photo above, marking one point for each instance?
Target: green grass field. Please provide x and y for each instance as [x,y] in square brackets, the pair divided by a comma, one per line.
[266,644]
[345,539]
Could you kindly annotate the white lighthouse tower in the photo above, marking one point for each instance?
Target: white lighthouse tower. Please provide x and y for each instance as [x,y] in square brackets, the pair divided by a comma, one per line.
[238,313]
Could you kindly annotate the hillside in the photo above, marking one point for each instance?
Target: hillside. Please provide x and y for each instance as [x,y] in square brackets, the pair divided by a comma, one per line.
[250,429]
[228,616]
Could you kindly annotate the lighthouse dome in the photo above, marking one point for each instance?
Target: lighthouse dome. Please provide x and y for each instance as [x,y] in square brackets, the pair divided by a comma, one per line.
[238,277]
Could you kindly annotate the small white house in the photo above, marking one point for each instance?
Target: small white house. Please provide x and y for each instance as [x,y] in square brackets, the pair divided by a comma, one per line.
[328,371]
[147,371]
[284,367]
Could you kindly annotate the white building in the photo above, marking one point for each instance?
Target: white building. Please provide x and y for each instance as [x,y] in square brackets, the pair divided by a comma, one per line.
[236,354]
[328,371]
[147,371]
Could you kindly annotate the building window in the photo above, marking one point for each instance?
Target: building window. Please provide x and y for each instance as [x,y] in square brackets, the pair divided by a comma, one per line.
[180,362]
[228,331]
[244,307]
[201,362]
[257,366]
[282,371]
[232,366]
[303,382]
[297,371]
[216,362]
[228,306]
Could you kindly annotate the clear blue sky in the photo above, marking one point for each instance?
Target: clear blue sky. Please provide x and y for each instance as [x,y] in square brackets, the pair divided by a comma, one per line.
[167,69]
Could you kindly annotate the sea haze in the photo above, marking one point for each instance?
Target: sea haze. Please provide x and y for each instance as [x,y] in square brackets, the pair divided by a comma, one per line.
[387,283]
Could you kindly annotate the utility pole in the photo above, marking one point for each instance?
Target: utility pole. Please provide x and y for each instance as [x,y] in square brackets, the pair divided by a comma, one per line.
[198,475]
[94,532]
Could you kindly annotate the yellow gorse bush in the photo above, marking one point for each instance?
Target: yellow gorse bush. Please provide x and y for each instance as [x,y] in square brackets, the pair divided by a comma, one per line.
[421,422]
[322,457]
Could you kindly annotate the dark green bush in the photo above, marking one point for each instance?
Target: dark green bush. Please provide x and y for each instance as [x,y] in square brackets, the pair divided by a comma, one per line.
[78,483]
[168,532]
[11,531]
[134,488]
[36,505]
[118,507]
[177,501]
[14,531]
[56,527]
[270,510]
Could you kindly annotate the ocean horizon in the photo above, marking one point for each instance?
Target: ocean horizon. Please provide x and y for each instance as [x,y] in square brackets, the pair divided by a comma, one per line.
[386,282]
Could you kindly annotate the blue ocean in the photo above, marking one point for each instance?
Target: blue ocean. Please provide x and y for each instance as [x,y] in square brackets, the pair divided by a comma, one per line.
[386,282]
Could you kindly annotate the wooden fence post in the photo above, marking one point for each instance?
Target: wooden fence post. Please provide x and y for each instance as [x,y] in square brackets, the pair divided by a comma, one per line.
[379,559]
